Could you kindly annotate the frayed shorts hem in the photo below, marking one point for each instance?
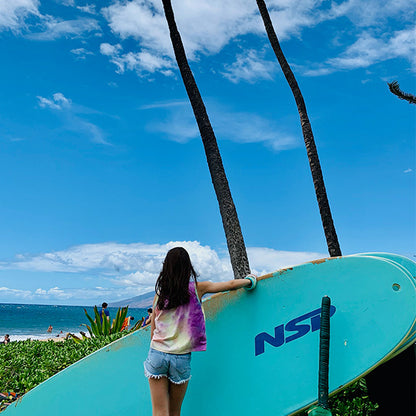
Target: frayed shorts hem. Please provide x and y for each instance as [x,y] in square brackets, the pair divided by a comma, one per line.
[159,376]
[175,367]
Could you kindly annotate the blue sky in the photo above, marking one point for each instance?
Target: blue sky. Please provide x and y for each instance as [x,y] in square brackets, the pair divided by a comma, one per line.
[102,169]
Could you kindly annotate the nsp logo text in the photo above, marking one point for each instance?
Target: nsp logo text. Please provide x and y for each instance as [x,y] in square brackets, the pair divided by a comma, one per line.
[297,325]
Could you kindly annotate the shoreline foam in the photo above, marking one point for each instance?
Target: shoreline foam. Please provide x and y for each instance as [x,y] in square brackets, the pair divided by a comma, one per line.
[46,337]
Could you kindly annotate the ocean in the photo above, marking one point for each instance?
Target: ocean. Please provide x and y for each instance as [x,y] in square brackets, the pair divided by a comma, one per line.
[23,321]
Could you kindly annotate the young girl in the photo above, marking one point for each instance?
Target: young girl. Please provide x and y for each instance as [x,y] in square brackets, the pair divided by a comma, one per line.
[178,328]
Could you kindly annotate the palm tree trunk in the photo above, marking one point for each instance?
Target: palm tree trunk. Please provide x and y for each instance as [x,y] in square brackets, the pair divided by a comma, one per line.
[318,180]
[231,224]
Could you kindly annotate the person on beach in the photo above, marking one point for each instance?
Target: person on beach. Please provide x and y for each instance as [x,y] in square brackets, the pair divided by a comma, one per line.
[104,311]
[49,329]
[126,323]
[147,319]
[6,339]
[178,328]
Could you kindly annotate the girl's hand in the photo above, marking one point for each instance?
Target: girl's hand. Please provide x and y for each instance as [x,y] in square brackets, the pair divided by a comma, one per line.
[211,287]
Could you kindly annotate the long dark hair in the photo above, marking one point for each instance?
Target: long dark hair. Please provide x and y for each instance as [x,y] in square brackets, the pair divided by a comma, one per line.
[173,281]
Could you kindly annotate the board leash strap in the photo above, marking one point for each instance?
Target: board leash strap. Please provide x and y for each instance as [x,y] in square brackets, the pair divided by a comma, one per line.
[322,408]
[324,353]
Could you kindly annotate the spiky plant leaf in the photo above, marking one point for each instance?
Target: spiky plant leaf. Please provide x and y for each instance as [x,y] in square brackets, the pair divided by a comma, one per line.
[106,326]
[137,325]
[99,319]
[93,330]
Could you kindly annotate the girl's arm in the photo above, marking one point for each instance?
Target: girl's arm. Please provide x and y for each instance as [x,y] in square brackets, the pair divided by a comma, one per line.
[215,287]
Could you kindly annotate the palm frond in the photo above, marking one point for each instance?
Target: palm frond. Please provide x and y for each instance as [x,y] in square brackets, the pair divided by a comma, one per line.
[394,87]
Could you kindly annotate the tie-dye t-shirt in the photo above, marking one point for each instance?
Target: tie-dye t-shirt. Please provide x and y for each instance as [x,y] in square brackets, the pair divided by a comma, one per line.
[180,330]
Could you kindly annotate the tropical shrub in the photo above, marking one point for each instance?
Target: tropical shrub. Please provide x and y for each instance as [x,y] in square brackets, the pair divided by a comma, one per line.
[352,401]
[100,326]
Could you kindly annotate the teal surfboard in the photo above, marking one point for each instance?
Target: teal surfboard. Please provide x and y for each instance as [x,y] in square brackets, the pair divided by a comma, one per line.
[410,267]
[263,343]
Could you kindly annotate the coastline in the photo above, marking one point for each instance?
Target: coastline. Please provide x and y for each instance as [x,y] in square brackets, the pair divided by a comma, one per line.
[48,337]
[28,321]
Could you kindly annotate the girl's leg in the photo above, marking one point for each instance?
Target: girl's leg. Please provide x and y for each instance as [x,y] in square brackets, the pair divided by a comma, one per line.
[176,395]
[159,390]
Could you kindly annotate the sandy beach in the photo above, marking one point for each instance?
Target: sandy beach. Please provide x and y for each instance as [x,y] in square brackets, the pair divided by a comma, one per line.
[54,339]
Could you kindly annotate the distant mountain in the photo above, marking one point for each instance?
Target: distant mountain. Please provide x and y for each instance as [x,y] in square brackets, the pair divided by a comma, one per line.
[142,301]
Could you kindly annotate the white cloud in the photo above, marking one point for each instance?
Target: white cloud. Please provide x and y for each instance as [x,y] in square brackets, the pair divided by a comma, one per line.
[61,99]
[408,171]
[105,256]
[72,119]
[13,13]
[206,26]
[46,102]
[14,293]
[369,49]
[290,17]
[91,130]
[373,12]
[144,61]
[110,50]
[265,260]
[58,101]
[139,263]
[139,62]
[57,293]
[55,28]
[88,8]
[179,125]
[316,72]
[53,292]
[120,271]
[165,104]
[84,296]
[81,53]
[250,66]
[142,20]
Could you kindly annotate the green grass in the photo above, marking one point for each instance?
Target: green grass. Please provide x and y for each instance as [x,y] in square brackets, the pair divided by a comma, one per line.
[25,364]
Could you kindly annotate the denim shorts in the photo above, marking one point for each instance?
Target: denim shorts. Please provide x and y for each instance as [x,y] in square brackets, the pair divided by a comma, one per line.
[176,367]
